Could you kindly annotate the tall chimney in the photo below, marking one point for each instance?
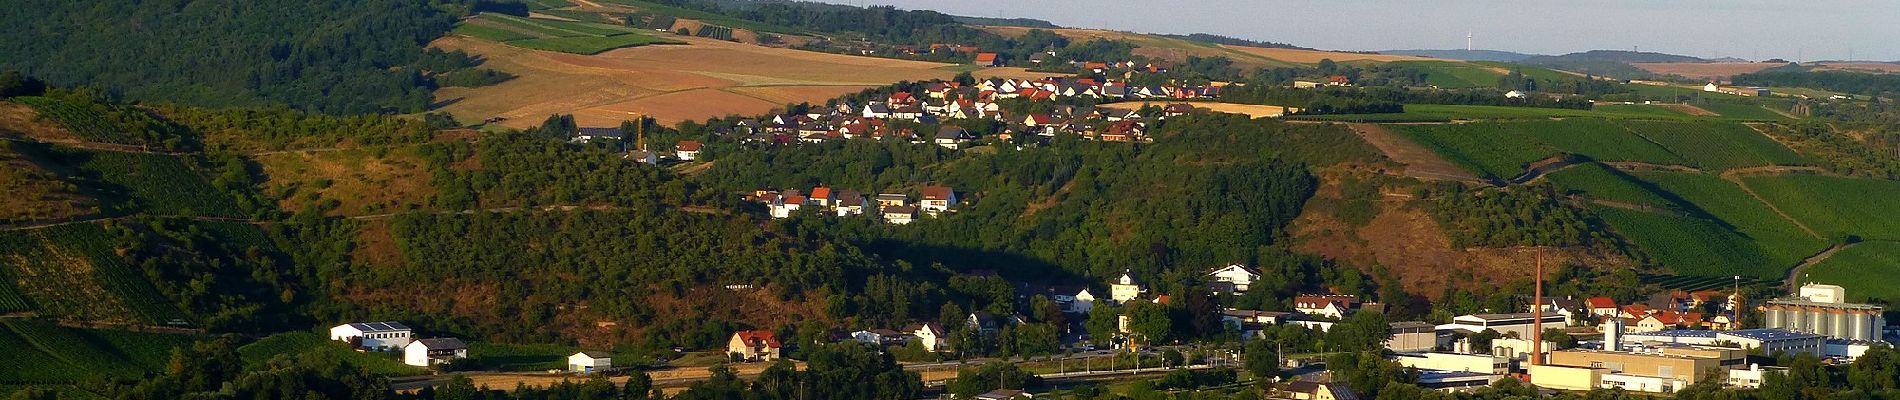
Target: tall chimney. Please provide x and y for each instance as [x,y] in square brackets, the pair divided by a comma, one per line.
[1537,314]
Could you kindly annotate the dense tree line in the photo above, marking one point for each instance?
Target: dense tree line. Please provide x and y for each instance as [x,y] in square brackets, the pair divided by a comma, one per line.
[1794,75]
[1517,216]
[345,56]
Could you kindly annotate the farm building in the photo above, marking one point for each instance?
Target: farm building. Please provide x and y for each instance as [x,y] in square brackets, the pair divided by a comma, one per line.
[589,362]
[430,352]
[377,336]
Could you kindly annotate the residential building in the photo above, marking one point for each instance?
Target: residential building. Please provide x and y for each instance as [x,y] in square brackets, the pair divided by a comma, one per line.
[431,352]
[982,321]
[1820,310]
[1233,278]
[937,199]
[899,215]
[1075,299]
[880,337]
[930,334]
[1522,324]
[952,137]
[1124,288]
[849,203]
[1753,376]
[988,60]
[892,200]
[1004,394]
[1412,336]
[1334,306]
[754,345]
[1602,306]
[376,336]
[589,362]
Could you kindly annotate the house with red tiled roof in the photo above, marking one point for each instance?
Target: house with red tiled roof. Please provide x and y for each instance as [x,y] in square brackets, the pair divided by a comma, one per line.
[1601,306]
[820,196]
[938,199]
[988,60]
[1338,80]
[754,345]
[687,150]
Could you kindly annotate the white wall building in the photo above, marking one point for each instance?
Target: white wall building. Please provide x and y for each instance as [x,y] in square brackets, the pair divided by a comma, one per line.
[377,336]
[590,362]
[1234,276]
[1124,289]
[430,352]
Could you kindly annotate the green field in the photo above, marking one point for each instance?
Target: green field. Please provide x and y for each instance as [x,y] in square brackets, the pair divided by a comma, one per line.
[1714,146]
[1869,270]
[576,37]
[520,357]
[300,343]
[1835,206]
[95,291]
[95,122]
[1598,181]
[51,353]
[1695,283]
[137,182]
[1692,246]
[1641,109]
[1599,139]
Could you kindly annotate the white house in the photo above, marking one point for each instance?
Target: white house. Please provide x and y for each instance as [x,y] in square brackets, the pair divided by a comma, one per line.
[1234,276]
[1124,289]
[938,199]
[754,345]
[929,333]
[589,362]
[429,352]
[687,150]
[1514,94]
[378,336]
[898,214]
[1711,87]
[1074,299]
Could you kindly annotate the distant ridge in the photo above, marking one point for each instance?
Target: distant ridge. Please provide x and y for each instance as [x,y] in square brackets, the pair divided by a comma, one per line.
[1465,55]
[1022,22]
[1621,56]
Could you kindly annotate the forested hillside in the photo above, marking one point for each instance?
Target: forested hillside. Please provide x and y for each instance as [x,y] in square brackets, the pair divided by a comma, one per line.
[342,56]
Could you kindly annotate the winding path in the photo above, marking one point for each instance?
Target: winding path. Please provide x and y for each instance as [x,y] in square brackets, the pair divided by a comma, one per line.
[1794,274]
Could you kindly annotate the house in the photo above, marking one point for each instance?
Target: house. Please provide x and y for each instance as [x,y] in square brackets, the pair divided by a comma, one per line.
[642,156]
[820,196]
[1569,307]
[952,137]
[431,352]
[1327,305]
[1301,84]
[988,60]
[589,135]
[1602,306]
[1514,94]
[849,203]
[1711,87]
[378,336]
[1338,80]
[1074,299]
[1310,390]
[589,362]
[899,215]
[892,200]
[929,333]
[1005,394]
[1234,278]
[938,199]
[1124,288]
[687,150]
[1177,109]
[982,321]
[754,345]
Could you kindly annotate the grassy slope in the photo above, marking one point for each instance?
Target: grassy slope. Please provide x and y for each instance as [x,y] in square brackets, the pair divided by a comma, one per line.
[1721,199]
[1598,181]
[1691,246]
[563,36]
[58,354]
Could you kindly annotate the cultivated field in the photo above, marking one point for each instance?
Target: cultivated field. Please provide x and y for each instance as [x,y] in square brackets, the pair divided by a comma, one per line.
[1713,197]
[1716,145]
[1179,49]
[1705,70]
[1251,110]
[1598,181]
[705,78]
[1455,112]
[1692,246]
[1314,56]
[1889,68]
[1835,206]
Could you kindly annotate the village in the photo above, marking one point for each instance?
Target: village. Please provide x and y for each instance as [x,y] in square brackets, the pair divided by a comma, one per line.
[1660,345]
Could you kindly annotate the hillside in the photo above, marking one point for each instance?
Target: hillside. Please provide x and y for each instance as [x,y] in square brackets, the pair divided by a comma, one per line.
[1466,55]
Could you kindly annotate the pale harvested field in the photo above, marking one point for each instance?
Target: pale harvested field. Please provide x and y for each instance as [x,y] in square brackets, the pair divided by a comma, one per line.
[1313,56]
[1251,110]
[1704,70]
[1690,109]
[705,78]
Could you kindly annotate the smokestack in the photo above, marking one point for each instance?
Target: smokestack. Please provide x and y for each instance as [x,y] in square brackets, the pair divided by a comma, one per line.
[1537,314]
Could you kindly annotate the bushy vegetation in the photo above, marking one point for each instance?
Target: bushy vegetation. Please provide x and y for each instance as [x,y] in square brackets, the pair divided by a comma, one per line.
[75,355]
[576,37]
[308,344]
[92,119]
[1517,216]
[139,182]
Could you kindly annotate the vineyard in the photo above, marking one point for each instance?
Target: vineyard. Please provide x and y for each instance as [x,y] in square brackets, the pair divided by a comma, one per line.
[95,121]
[1695,283]
[1598,181]
[520,357]
[150,183]
[11,300]
[1692,246]
[1720,199]
[1837,207]
[1716,145]
[1596,138]
[302,343]
[72,271]
[59,354]
[1488,149]
[1869,270]
[714,32]
[1741,111]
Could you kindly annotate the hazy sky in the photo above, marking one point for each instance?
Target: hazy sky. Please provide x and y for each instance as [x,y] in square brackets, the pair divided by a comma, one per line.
[1750,29]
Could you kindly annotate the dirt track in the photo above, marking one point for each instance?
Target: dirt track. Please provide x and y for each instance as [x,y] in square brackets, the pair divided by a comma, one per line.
[1419,162]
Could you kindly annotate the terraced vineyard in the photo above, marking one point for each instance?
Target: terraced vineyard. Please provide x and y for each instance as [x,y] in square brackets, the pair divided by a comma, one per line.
[1693,246]
[1598,139]
[1741,111]
[151,183]
[1598,181]
[103,123]
[1836,206]
[1716,146]
[72,271]
[1724,201]
[1504,149]
[66,354]
[1695,283]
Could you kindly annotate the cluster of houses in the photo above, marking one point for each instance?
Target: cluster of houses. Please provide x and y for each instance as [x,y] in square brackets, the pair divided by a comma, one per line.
[1751,91]
[941,101]
[391,336]
[892,208]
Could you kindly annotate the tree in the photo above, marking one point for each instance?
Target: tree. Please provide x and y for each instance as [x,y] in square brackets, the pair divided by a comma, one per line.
[1261,358]
[15,84]
[994,375]
[1363,330]
[1104,322]
[1150,322]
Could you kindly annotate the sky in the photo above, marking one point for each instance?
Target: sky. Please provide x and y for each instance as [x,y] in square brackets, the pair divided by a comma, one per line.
[1748,29]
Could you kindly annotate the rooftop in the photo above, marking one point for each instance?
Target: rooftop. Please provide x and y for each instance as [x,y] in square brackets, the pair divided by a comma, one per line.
[1799,302]
[387,326]
[1770,334]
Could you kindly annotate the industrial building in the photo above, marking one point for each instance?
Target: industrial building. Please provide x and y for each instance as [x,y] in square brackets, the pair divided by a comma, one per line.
[1823,310]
